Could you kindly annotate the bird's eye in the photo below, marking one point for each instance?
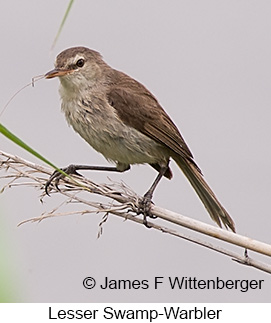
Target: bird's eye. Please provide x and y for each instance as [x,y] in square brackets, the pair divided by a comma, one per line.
[80,62]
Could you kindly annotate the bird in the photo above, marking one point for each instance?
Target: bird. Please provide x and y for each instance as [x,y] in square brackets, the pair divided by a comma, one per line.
[121,119]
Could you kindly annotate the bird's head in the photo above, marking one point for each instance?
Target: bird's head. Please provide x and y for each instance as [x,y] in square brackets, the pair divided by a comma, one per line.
[78,68]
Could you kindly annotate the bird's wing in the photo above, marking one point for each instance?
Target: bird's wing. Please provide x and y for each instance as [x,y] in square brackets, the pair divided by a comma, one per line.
[139,109]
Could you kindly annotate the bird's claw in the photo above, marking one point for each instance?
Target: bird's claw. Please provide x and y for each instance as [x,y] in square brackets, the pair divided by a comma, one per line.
[145,209]
[57,176]
[54,177]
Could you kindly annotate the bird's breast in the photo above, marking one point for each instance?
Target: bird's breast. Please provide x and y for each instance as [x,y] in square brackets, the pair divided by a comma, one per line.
[97,122]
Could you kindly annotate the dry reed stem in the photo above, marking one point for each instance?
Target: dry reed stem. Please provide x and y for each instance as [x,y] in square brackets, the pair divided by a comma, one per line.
[123,202]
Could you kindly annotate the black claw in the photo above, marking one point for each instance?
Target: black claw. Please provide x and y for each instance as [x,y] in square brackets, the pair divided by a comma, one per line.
[56,176]
[145,222]
[56,185]
[145,209]
[46,188]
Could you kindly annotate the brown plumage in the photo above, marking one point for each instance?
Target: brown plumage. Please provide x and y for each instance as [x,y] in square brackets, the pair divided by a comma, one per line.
[121,119]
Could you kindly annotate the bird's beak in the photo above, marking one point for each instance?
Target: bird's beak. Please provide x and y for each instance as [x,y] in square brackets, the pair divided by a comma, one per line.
[56,72]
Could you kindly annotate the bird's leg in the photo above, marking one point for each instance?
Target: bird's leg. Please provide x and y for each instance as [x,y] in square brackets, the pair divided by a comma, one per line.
[145,204]
[72,169]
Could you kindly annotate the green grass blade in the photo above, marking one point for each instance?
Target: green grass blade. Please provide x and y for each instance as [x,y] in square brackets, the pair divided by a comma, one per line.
[23,145]
[62,23]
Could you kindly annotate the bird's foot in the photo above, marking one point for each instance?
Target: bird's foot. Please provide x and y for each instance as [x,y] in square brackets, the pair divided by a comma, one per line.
[57,176]
[145,209]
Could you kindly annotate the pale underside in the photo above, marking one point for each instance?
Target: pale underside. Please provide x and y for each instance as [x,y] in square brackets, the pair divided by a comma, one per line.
[98,123]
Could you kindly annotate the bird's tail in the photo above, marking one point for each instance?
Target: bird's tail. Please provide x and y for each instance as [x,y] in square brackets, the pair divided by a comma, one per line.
[207,196]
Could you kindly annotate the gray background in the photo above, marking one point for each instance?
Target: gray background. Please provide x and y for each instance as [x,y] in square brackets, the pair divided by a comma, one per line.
[208,63]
